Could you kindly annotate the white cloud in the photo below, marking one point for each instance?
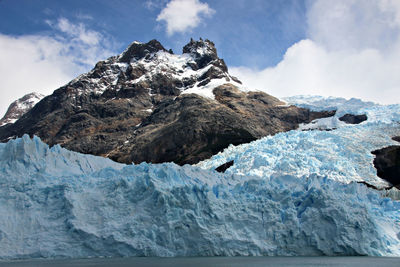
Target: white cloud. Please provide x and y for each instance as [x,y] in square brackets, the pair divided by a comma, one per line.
[184,15]
[44,63]
[155,4]
[354,24]
[78,32]
[353,50]
[83,16]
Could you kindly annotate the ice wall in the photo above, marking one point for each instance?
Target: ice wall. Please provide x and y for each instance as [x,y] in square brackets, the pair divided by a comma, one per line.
[57,203]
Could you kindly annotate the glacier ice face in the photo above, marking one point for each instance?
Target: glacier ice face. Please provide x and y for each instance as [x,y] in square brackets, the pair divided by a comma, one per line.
[25,156]
[375,112]
[320,103]
[57,203]
[343,154]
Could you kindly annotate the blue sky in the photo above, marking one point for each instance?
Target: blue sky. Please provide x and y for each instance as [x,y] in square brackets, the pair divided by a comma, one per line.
[249,33]
[348,48]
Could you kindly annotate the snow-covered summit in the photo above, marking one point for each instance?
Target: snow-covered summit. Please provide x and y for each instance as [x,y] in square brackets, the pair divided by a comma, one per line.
[137,50]
[19,107]
[198,70]
[201,49]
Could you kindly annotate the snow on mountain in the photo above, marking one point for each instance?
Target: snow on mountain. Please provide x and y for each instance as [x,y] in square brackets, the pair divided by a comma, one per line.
[20,107]
[343,154]
[195,68]
[57,203]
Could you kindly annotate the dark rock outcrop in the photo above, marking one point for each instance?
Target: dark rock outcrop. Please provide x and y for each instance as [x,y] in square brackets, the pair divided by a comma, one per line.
[224,166]
[138,50]
[387,163]
[134,108]
[396,138]
[204,53]
[353,119]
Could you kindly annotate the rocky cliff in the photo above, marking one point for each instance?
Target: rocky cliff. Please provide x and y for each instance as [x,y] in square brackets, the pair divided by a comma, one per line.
[387,163]
[148,104]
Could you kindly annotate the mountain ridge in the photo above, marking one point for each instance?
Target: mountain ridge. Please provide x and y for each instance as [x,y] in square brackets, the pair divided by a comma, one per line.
[148,104]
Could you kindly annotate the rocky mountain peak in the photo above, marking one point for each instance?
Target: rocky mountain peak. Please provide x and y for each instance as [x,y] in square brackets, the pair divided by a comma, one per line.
[19,107]
[150,67]
[204,53]
[137,50]
[149,104]
[200,48]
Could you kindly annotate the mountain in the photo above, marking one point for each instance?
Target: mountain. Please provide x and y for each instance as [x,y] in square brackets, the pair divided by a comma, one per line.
[148,104]
[20,107]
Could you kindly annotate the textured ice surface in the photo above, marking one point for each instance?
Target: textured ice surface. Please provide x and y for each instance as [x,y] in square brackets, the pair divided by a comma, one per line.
[374,112]
[57,203]
[289,194]
[343,154]
[319,103]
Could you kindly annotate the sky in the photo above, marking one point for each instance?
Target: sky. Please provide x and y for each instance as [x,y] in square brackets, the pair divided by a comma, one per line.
[343,48]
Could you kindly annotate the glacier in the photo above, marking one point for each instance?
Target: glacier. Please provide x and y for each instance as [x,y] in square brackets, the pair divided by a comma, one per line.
[375,112]
[343,153]
[294,193]
[55,203]
[320,103]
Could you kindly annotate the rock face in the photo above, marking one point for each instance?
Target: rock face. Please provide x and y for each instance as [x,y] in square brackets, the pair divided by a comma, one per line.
[396,138]
[225,166]
[148,104]
[353,119]
[19,107]
[387,163]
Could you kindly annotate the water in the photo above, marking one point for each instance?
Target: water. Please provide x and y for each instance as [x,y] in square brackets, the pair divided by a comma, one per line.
[215,261]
